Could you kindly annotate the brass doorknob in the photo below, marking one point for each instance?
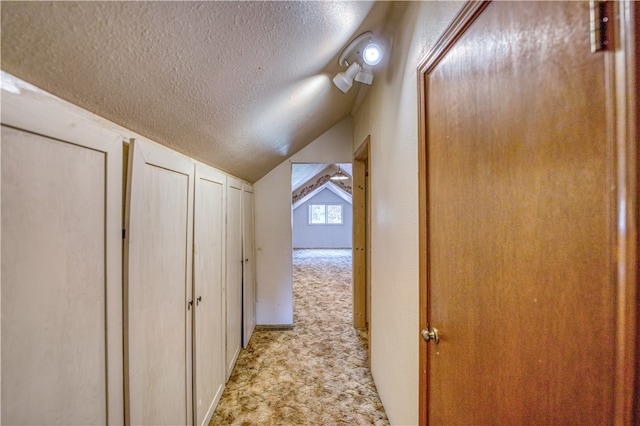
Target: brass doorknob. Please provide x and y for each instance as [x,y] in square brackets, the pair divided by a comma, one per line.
[432,334]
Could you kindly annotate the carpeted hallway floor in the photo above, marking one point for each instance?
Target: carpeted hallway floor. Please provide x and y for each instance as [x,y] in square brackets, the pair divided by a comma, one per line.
[314,374]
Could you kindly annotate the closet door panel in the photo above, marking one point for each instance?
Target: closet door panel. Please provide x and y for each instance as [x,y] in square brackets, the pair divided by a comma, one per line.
[234,273]
[208,234]
[61,277]
[249,267]
[159,286]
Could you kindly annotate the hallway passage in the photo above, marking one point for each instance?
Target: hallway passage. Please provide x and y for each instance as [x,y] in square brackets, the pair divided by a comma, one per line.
[314,374]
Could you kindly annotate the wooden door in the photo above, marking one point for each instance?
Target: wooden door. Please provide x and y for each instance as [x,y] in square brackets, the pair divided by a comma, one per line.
[521,216]
[248,267]
[208,237]
[61,268]
[233,288]
[159,285]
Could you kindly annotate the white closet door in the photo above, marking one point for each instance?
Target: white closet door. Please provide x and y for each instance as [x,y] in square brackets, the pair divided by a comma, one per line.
[208,270]
[159,285]
[249,267]
[234,272]
[61,269]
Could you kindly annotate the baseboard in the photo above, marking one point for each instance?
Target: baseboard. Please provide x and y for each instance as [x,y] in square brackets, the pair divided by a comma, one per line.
[274,327]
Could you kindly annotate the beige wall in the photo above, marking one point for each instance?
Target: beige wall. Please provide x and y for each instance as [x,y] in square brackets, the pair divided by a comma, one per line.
[274,245]
[389,114]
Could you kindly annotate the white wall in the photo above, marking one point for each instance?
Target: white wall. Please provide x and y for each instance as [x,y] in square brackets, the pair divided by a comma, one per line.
[274,247]
[389,115]
[322,236]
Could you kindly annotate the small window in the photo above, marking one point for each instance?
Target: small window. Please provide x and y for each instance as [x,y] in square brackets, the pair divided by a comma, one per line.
[317,214]
[325,214]
[334,214]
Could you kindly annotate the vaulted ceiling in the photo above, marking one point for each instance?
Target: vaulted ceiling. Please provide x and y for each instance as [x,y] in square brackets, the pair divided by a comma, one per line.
[240,85]
[302,173]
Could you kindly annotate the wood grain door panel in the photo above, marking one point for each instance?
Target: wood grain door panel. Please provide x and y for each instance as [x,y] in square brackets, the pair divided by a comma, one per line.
[519,165]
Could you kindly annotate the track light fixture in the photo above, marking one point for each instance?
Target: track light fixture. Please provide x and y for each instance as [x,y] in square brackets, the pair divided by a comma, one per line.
[359,56]
[344,80]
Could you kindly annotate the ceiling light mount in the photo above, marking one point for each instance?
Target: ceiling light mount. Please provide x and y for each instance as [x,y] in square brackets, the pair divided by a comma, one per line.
[339,175]
[358,57]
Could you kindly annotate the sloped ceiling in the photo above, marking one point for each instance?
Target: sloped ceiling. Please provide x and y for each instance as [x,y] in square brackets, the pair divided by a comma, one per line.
[329,186]
[302,173]
[239,85]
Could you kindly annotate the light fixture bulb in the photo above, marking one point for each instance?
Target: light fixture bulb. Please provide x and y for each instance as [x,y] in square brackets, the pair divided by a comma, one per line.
[365,76]
[372,54]
[344,80]
[339,175]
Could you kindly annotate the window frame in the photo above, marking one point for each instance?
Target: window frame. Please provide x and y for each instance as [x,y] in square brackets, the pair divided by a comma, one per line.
[326,215]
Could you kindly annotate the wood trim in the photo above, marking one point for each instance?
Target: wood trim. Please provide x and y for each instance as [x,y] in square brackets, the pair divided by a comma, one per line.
[465,17]
[634,75]
[423,218]
[624,80]
[463,20]
[360,233]
[363,150]
[634,16]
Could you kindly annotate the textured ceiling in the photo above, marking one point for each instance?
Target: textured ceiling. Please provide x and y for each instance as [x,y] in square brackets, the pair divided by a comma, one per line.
[238,85]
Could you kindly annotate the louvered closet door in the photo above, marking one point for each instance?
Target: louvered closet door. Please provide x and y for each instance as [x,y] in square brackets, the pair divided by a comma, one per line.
[159,286]
[208,238]
[61,270]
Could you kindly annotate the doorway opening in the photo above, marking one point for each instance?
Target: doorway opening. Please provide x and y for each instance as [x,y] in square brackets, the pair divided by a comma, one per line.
[362,242]
[321,211]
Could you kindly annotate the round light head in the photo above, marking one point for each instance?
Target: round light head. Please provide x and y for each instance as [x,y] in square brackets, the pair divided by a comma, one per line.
[372,54]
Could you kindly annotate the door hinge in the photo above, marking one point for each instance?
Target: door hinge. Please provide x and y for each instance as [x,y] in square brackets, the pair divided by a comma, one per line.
[601,23]
[124,234]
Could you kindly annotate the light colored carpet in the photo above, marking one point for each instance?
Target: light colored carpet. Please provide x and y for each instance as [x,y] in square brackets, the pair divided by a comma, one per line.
[315,374]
